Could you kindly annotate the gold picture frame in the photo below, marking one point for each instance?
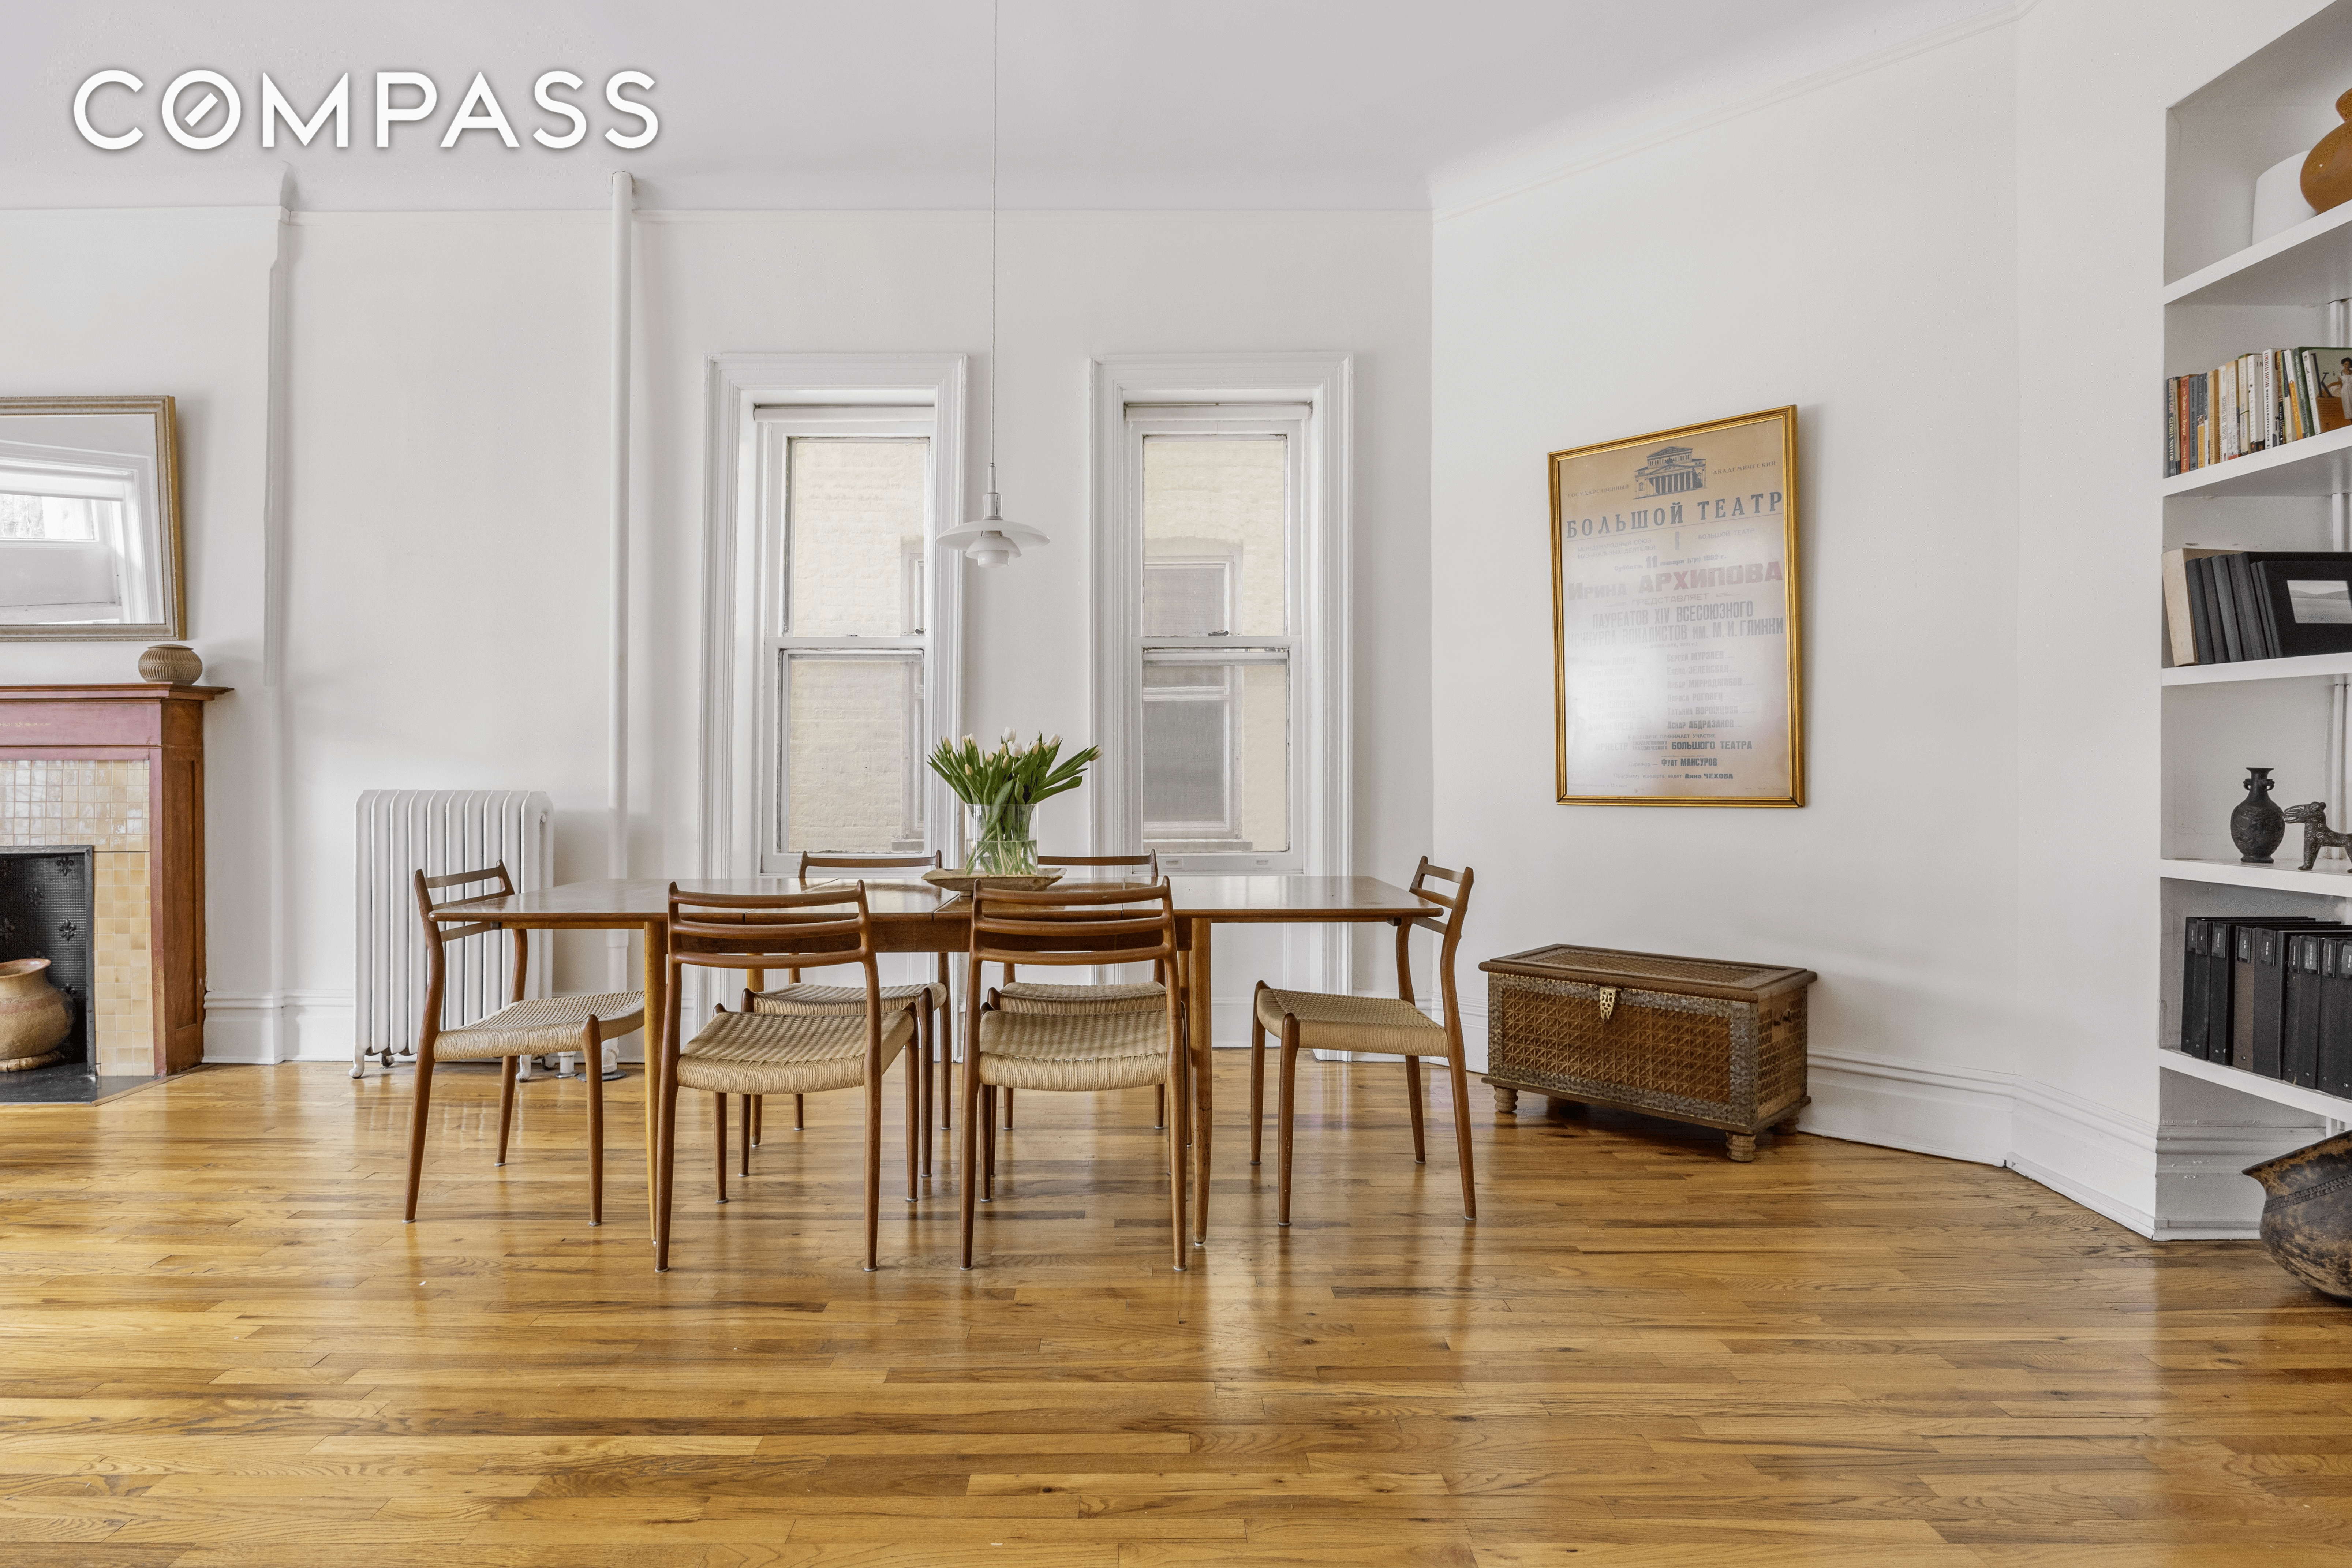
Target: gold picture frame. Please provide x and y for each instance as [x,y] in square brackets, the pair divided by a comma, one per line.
[114,464]
[1677,653]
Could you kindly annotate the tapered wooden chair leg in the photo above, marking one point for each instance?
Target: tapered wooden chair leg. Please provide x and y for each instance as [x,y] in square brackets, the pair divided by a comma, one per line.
[966,1153]
[924,1040]
[747,1137]
[1008,1109]
[1458,1082]
[1158,1108]
[596,1059]
[873,1171]
[989,1146]
[1282,1131]
[916,1078]
[719,1128]
[759,1109]
[659,1083]
[1205,1131]
[1178,1167]
[1257,1079]
[1413,1096]
[418,1104]
[800,1113]
[507,1068]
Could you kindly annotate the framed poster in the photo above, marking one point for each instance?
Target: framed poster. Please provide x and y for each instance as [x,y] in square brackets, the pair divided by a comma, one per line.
[1675,631]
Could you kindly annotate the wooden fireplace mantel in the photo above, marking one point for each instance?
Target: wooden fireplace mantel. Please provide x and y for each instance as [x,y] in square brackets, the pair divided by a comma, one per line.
[162,726]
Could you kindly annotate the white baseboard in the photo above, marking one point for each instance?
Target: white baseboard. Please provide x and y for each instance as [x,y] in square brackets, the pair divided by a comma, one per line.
[1960,1113]
[260,1029]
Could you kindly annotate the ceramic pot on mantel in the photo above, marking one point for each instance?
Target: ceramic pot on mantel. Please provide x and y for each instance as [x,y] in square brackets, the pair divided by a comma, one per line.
[2307,1217]
[35,1015]
[2258,826]
[170,664]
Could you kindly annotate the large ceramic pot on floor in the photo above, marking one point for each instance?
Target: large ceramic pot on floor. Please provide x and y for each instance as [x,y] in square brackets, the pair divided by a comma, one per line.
[2307,1219]
[35,1015]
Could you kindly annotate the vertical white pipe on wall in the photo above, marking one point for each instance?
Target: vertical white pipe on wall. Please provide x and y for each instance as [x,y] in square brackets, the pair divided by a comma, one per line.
[2340,695]
[279,1043]
[617,705]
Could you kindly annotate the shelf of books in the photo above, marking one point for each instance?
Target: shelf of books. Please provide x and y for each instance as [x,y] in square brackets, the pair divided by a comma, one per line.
[2317,464]
[2253,448]
[2259,669]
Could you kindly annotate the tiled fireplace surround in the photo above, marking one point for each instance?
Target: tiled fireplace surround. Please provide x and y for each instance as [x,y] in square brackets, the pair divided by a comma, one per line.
[121,768]
[104,805]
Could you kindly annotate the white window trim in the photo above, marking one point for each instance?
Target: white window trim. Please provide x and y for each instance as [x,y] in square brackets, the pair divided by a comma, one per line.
[1322,821]
[736,386]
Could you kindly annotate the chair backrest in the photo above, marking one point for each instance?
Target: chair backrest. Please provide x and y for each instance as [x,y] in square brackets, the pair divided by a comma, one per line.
[437,933]
[828,860]
[771,931]
[1117,924]
[1448,929]
[1148,862]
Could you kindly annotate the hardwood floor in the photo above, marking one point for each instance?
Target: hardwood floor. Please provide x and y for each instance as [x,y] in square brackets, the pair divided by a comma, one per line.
[221,1347]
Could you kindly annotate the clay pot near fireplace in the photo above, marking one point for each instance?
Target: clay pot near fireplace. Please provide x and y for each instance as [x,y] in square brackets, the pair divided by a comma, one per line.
[35,1015]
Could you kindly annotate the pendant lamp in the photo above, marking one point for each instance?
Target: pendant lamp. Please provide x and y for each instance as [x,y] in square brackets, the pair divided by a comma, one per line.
[990,540]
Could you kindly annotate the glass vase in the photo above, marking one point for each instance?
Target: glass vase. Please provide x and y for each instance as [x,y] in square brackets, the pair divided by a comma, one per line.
[997,842]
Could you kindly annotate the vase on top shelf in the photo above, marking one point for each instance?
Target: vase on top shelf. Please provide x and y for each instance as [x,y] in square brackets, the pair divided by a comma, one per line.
[2257,827]
[2327,169]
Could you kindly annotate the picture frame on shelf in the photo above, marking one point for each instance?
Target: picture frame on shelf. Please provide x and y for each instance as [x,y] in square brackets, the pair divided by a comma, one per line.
[1676,646]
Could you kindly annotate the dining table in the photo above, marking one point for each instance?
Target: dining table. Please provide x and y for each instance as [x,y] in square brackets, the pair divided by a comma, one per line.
[913,916]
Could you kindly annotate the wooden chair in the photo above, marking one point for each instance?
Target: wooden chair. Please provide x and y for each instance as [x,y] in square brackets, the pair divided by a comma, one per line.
[1313,1021]
[794,999]
[1140,996]
[523,1028]
[768,1053]
[1064,1052]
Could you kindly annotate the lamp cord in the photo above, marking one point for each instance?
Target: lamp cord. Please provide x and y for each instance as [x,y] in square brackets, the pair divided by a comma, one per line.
[995,28]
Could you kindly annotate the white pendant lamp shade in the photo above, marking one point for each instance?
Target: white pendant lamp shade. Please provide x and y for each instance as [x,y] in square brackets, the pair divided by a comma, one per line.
[991,540]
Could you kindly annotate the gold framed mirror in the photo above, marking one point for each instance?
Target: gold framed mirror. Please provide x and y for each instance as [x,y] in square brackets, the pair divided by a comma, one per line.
[89,521]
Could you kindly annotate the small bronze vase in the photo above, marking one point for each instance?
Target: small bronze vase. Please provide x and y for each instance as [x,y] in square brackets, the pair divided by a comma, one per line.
[2258,826]
[2308,1218]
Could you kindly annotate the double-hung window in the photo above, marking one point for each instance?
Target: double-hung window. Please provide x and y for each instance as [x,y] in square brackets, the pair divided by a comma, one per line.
[843,500]
[1221,616]
[1217,492]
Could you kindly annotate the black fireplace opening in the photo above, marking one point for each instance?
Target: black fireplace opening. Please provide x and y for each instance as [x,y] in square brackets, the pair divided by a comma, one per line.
[49,909]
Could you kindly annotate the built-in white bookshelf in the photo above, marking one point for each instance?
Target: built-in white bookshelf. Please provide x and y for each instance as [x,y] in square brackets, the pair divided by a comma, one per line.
[2228,296]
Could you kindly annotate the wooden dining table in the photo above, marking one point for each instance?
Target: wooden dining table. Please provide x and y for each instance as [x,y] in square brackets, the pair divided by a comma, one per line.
[911,916]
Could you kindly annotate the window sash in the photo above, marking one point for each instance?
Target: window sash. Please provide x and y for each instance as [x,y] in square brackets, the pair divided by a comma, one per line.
[776,427]
[1216,421]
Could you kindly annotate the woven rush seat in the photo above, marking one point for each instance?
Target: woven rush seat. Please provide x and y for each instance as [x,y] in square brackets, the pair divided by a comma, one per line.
[768,1053]
[541,1025]
[1029,996]
[1073,1051]
[1382,1024]
[826,1001]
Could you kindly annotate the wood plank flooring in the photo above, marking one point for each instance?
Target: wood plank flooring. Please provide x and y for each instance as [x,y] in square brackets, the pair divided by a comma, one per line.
[220,1346]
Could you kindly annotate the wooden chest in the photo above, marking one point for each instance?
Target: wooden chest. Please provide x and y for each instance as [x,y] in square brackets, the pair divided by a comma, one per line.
[1720,1044]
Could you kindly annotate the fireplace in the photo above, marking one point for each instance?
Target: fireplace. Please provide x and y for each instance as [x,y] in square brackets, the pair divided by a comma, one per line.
[45,911]
[110,777]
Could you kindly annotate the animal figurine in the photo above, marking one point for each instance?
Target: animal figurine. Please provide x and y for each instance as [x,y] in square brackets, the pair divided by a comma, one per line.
[2317,834]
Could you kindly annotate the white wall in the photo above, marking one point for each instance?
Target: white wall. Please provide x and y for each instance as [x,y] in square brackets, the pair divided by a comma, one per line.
[1934,258]
[174,301]
[447,505]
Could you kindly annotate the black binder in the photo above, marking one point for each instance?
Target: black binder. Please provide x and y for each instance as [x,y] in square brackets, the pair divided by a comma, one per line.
[2232,648]
[2258,991]
[2299,1018]
[2336,1017]
[2192,986]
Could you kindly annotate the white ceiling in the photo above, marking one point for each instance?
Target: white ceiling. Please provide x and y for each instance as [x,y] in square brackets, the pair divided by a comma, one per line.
[884,103]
